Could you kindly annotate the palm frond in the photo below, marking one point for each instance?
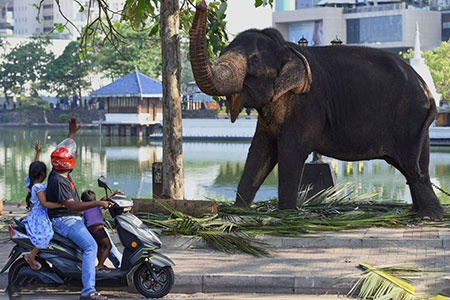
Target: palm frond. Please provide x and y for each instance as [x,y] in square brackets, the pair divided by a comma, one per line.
[235,242]
[380,285]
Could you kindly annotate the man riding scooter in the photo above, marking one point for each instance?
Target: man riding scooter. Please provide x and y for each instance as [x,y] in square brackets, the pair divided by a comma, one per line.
[68,221]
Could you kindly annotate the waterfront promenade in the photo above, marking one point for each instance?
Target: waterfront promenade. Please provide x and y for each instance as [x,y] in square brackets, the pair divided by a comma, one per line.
[318,264]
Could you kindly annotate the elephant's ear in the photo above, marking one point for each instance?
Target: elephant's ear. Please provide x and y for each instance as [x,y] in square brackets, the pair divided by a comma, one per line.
[295,76]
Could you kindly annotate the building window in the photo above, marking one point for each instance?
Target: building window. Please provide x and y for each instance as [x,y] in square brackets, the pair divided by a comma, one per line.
[446,25]
[48,29]
[48,18]
[302,4]
[310,30]
[374,30]
[47,6]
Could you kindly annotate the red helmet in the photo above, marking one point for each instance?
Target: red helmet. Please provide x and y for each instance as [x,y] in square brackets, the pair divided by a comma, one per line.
[63,157]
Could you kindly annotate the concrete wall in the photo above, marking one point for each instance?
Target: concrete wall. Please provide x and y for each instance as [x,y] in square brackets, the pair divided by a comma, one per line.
[429,25]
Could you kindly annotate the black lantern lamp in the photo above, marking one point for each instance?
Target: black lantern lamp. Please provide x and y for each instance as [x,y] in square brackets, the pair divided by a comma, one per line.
[336,41]
[303,42]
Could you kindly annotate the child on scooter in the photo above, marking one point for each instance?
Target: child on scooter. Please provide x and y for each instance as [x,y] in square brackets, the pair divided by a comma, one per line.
[93,218]
[37,223]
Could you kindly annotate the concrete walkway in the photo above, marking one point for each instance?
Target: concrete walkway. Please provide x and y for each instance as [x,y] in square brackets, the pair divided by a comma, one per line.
[318,264]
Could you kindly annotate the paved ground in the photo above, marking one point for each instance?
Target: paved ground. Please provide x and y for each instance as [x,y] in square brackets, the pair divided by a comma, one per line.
[319,264]
[198,296]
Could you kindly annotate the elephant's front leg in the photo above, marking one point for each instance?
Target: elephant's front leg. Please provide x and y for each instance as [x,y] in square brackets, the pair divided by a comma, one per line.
[291,159]
[261,158]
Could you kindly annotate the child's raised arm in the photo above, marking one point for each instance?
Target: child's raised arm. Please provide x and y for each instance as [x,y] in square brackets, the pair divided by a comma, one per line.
[45,203]
[38,148]
[73,127]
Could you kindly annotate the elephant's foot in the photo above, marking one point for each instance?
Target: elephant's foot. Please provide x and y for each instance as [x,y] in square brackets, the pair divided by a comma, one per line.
[285,206]
[431,213]
[242,201]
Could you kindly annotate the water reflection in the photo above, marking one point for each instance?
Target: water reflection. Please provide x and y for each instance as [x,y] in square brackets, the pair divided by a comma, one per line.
[212,170]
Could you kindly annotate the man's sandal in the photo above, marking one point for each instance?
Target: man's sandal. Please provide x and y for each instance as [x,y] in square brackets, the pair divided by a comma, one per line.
[94,296]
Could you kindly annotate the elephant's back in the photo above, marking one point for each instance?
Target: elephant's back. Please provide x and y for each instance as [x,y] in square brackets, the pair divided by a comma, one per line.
[360,86]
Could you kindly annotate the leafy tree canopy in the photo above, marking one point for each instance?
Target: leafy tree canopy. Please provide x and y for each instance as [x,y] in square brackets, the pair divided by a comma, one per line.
[68,74]
[139,50]
[27,62]
[144,15]
[438,62]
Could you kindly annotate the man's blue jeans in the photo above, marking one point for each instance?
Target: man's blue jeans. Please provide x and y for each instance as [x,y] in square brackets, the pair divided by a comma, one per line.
[73,227]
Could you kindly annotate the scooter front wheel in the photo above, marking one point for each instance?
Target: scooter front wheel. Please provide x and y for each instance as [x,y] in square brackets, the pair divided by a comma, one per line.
[155,285]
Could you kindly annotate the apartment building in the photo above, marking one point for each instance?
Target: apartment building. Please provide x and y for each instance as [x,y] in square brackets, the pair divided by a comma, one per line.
[28,22]
[6,17]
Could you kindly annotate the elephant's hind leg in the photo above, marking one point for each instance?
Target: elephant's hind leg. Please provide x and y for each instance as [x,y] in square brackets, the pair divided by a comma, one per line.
[261,159]
[425,201]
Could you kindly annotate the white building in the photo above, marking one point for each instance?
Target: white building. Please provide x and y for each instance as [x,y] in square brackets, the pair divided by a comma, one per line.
[28,22]
[388,25]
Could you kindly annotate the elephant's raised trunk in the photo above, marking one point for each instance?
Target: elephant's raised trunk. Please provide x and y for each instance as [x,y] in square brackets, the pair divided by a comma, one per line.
[228,76]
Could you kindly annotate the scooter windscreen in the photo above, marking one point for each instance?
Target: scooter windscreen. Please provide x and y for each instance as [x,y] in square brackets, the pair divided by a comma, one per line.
[121,201]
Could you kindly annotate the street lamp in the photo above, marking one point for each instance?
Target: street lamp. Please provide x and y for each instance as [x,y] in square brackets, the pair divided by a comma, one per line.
[336,41]
[303,42]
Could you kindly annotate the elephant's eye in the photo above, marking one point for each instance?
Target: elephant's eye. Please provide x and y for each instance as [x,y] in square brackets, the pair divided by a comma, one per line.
[254,65]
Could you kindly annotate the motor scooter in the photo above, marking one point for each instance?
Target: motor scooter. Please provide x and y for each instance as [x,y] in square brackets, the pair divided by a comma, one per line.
[141,267]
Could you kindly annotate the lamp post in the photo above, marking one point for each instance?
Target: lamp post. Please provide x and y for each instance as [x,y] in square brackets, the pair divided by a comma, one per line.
[336,41]
[303,42]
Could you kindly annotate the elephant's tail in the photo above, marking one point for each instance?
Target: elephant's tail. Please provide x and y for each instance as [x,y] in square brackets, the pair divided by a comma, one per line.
[429,120]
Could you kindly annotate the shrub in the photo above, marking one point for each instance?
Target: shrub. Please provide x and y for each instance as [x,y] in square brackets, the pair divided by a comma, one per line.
[63,118]
[4,119]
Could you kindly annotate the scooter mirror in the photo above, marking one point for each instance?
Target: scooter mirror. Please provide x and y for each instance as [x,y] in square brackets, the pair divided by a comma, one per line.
[102,182]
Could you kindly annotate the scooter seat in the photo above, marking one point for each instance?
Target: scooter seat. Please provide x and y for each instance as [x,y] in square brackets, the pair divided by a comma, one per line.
[67,242]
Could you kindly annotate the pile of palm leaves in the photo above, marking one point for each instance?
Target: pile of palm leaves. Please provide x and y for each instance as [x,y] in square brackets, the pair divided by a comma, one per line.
[234,229]
[221,234]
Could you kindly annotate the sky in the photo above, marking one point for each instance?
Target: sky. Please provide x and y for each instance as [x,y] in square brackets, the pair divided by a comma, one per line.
[242,15]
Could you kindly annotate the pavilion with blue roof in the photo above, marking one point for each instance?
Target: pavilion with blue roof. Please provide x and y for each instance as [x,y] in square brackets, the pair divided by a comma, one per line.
[133,102]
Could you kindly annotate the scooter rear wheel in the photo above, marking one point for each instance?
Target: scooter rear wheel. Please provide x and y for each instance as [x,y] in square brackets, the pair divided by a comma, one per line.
[148,287]
[19,265]
[15,268]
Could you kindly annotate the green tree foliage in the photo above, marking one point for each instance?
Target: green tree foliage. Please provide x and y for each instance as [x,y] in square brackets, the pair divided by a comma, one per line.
[145,14]
[139,50]
[33,103]
[25,63]
[67,74]
[438,61]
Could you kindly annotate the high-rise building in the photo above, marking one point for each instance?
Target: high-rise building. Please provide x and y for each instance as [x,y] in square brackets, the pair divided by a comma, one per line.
[6,17]
[446,25]
[383,24]
[28,22]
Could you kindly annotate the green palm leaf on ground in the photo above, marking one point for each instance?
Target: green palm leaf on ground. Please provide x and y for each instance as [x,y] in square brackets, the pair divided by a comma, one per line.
[379,285]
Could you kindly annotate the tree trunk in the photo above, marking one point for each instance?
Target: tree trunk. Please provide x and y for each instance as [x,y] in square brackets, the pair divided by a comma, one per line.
[173,182]
[5,92]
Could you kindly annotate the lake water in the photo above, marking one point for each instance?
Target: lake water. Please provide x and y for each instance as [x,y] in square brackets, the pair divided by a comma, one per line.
[212,169]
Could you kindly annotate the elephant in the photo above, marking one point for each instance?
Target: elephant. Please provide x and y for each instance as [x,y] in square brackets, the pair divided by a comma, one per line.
[346,102]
